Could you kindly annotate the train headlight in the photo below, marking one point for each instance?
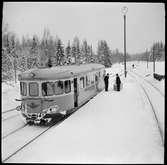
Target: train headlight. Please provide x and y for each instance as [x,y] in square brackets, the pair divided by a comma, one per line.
[53,108]
[18,108]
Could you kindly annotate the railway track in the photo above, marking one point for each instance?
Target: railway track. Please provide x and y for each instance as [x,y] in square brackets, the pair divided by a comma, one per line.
[149,83]
[9,114]
[153,110]
[54,123]
[12,132]
[9,110]
[8,118]
[32,139]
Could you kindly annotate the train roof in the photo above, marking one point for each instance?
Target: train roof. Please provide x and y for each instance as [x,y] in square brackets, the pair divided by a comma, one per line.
[59,72]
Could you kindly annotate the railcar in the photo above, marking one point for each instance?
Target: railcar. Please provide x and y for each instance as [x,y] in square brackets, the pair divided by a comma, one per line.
[46,92]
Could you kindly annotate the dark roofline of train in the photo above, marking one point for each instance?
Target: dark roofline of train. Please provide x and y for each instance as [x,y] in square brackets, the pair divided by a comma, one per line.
[58,72]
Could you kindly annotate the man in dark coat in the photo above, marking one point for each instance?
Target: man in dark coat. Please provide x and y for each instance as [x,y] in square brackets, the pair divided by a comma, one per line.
[106,82]
[118,82]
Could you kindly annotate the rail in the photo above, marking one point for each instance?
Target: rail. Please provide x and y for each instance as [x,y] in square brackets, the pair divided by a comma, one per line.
[153,110]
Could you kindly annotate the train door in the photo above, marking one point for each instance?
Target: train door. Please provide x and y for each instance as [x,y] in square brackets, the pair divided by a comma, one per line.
[75,93]
[96,81]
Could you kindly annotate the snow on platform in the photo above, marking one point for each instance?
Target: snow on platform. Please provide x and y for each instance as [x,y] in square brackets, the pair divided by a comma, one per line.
[113,127]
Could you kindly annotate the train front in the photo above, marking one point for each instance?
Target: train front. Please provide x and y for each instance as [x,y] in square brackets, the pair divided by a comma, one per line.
[31,106]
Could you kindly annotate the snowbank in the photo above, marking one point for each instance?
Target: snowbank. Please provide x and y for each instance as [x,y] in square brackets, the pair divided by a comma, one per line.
[10,91]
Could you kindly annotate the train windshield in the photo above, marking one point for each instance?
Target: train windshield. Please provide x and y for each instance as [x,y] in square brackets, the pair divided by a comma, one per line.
[56,88]
[47,88]
[33,89]
[82,83]
[67,85]
[23,88]
[87,80]
[59,87]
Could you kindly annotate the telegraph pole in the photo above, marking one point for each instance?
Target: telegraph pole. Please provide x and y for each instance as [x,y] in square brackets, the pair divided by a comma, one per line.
[124,11]
[125,44]
[147,58]
[153,59]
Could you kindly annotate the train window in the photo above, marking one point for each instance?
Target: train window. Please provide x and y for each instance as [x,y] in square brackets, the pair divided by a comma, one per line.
[92,79]
[87,80]
[96,78]
[59,87]
[47,88]
[23,88]
[99,74]
[82,83]
[33,89]
[67,85]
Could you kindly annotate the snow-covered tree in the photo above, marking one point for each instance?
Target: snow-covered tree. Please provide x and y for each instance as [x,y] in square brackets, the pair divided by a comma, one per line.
[77,54]
[104,53]
[33,58]
[60,53]
[85,51]
[157,50]
[73,54]
[68,53]
[9,55]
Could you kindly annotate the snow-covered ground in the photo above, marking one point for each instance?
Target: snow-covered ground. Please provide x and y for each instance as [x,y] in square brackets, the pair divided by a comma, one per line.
[159,67]
[113,127]
[10,91]
[141,68]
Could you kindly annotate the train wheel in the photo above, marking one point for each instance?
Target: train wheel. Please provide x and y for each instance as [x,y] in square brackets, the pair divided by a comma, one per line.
[69,113]
[58,117]
[43,122]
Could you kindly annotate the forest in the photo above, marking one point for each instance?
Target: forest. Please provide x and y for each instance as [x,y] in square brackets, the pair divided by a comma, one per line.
[19,56]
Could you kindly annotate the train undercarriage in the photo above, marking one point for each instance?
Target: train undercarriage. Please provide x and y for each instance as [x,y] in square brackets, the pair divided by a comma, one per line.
[39,118]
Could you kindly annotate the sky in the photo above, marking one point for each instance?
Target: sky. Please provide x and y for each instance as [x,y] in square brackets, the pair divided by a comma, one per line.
[93,21]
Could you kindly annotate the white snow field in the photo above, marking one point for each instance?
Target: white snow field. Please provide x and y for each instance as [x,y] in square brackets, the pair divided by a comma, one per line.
[113,127]
[10,91]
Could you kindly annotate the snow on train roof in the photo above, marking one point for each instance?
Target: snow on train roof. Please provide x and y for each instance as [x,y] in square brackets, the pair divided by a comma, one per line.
[59,72]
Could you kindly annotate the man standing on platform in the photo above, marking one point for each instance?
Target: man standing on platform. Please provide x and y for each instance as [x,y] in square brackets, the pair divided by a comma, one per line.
[118,82]
[106,78]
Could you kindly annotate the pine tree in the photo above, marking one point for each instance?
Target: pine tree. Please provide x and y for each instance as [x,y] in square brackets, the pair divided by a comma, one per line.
[104,53]
[92,55]
[9,50]
[73,54]
[51,52]
[34,52]
[76,44]
[100,54]
[107,53]
[85,51]
[60,53]
[82,57]
[6,66]
[157,50]
[68,53]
